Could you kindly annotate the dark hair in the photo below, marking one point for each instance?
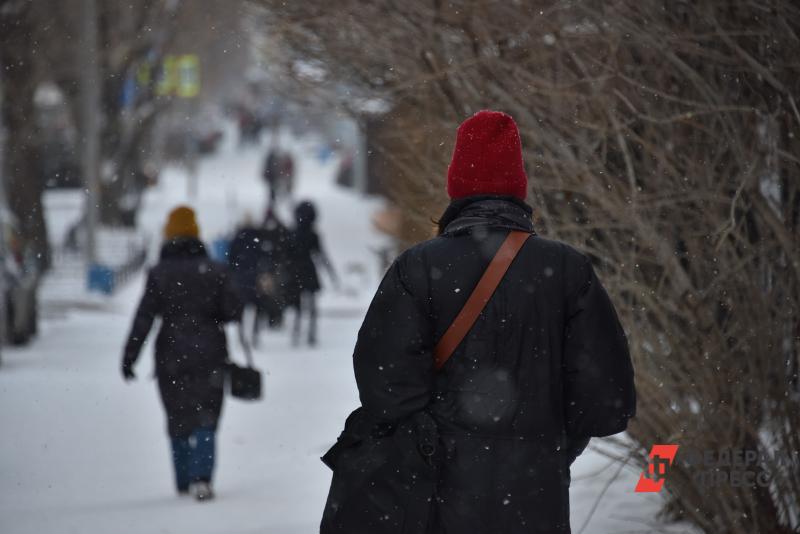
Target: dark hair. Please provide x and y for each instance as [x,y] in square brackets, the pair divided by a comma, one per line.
[305,214]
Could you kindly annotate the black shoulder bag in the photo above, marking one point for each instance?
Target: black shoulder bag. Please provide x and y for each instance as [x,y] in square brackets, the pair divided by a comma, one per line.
[244,382]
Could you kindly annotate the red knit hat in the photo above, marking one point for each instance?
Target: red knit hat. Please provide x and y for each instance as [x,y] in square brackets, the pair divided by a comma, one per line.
[487,159]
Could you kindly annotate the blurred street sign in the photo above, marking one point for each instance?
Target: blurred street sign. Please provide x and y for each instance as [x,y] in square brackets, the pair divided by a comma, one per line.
[188,76]
[168,80]
[180,76]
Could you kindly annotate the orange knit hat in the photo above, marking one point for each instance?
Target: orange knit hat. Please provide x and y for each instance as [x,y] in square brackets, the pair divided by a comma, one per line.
[181,223]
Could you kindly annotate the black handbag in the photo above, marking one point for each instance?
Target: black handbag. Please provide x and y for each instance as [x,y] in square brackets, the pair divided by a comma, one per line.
[244,382]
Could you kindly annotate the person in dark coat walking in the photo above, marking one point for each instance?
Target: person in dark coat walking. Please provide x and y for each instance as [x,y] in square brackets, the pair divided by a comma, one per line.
[278,171]
[273,281]
[194,297]
[544,368]
[247,258]
[306,251]
[257,256]
[271,172]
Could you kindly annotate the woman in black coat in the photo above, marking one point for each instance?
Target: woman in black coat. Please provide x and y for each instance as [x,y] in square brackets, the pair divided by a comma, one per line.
[258,260]
[305,252]
[194,297]
[544,368]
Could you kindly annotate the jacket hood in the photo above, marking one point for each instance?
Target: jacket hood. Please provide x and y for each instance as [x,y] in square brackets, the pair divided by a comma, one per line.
[183,247]
[494,211]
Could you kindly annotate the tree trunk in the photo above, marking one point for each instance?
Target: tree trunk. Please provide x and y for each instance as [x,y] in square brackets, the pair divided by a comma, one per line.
[24,185]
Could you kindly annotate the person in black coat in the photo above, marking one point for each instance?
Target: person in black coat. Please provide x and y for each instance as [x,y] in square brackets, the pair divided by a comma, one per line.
[544,368]
[305,253]
[271,172]
[258,259]
[278,171]
[194,297]
[258,256]
[273,280]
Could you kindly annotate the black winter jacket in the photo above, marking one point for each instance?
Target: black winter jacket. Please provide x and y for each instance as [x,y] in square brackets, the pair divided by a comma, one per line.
[304,252]
[255,252]
[545,367]
[194,297]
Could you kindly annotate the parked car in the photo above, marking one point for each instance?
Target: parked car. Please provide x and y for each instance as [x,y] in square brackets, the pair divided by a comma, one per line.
[21,282]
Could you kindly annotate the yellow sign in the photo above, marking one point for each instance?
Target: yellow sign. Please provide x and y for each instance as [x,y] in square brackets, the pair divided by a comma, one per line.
[180,76]
[188,76]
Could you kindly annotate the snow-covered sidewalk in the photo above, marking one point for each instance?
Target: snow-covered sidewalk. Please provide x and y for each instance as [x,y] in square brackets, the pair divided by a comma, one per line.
[83,452]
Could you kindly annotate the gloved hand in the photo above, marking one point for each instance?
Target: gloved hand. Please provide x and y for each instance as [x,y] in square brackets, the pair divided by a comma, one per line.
[127,371]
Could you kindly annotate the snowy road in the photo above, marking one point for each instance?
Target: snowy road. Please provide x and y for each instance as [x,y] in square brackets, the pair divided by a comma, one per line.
[83,452]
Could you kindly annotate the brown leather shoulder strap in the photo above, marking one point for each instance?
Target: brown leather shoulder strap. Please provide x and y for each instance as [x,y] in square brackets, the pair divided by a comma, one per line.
[477,300]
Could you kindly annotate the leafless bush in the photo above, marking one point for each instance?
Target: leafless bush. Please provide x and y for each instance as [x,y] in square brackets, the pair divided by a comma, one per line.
[662,138]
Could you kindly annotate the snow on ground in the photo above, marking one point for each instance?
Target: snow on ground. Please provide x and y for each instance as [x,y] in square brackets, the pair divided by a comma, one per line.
[82,452]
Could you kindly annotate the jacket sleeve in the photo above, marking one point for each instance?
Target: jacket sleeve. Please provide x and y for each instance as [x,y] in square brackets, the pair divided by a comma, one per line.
[393,359]
[146,313]
[598,374]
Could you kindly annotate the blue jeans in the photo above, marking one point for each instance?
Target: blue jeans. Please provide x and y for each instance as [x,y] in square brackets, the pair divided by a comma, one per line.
[193,457]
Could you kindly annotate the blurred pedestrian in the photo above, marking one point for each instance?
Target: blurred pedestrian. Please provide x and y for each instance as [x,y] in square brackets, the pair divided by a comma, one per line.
[287,173]
[345,175]
[194,297]
[257,256]
[278,171]
[249,126]
[271,172]
[474,407]
[246,257]
[273,281]
[306,252]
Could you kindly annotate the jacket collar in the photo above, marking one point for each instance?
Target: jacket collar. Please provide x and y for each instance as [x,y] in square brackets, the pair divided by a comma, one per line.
[486,211]
[183,247]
